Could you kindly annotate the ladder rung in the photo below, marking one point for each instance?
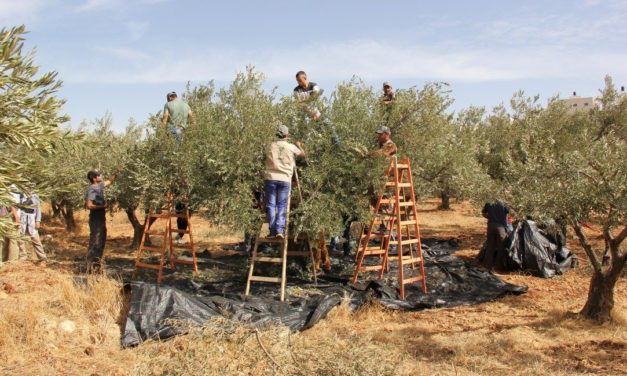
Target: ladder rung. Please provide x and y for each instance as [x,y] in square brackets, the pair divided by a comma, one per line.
[298,254]
[392,201]
[147,266]
[179,231]
[400,185]
[412,279]
[270,240]
[371,268]
[410,260]
[374,235]
[410,222]
[152,249]
[373,251]
[404,242]
[401,166]
[269,259]
[259,278]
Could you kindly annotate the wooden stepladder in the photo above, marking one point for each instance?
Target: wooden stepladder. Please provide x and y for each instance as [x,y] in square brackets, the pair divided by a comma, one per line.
[282,258]
[395,224]
[168,244]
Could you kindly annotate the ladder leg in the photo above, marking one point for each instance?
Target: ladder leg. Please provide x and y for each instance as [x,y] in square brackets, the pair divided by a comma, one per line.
[191,240]
[361,239]
[362,254]
[252,263]
[313,262]
[138,255]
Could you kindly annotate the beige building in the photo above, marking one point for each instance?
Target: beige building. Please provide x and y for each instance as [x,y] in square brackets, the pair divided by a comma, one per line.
[577,103]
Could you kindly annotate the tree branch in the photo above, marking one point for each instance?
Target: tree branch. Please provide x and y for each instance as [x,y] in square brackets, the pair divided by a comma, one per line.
[620,237]
[583,240]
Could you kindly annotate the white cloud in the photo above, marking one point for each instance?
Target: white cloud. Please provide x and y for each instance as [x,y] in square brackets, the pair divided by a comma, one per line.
[122,53]
[95,5]
[13,12]
[372,60]
[91,5]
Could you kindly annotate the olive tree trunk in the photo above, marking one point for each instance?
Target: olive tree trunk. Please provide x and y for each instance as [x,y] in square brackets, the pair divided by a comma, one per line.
[138,227]
[68,215]
[600,301]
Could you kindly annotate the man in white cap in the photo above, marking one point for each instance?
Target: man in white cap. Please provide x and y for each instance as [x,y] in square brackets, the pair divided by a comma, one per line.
[280,162]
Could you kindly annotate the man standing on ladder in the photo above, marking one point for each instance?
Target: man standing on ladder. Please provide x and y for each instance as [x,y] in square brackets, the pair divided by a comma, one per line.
[387,147]
[176,115]
[280,163]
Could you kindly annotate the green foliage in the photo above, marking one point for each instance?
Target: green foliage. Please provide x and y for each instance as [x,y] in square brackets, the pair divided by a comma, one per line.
[554,162]
[29,117]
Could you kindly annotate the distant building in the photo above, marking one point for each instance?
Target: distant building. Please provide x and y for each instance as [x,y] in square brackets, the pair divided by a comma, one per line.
[577,103]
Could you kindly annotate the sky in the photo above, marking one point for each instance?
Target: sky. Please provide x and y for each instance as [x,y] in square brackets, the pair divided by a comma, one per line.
[123,56]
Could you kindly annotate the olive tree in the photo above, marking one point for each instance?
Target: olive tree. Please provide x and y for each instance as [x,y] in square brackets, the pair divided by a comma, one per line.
[29,118]
[569,165]
[441,146]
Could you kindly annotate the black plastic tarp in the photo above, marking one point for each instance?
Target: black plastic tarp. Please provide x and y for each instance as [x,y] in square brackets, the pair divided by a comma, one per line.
[451,282]
[531,249]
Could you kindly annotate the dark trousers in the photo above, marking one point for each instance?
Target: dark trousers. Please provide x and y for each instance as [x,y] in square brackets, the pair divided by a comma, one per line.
[495,244]
[97,236]
[181,223]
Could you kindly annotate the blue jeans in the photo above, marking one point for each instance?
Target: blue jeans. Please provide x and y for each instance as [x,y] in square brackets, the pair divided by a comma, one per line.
[176,132]
[277,193]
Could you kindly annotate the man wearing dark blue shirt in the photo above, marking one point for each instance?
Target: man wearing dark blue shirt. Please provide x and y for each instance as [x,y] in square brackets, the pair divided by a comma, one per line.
[97,205]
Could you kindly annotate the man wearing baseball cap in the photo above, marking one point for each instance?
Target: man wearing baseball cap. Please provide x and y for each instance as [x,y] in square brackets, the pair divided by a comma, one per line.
[280,162]
[388,94]
[387,147]
[97,204]
[176,115]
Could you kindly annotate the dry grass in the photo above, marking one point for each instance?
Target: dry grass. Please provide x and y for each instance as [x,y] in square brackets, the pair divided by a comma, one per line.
[52,325]
[531,334]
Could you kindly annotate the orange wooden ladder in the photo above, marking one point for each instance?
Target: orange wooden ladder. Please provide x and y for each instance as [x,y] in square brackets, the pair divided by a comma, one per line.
[168,245]
[396,210]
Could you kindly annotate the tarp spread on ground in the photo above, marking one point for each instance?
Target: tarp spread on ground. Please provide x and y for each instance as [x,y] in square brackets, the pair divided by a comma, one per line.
[529,248]
[154,310]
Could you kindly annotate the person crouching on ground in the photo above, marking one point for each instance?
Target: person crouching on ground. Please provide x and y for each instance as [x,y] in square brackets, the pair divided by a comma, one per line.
[280,163]
[97,205]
